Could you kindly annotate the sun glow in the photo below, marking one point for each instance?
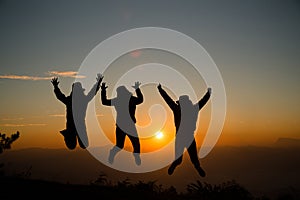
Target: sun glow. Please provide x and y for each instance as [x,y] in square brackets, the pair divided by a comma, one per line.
[159,135]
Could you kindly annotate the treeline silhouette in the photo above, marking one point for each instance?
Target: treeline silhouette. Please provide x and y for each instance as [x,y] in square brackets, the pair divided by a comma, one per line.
[5,144]
[5,141]
[121,190]
[103,188]
[197,190]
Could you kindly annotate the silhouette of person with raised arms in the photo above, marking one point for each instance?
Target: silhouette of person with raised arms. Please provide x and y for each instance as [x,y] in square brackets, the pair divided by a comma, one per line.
[76,106]
[185,119]
[125,105]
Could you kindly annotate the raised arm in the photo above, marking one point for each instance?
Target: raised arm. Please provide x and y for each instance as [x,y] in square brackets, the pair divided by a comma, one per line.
[204,99]
[59,95]
[95,88]
[139,99]
[104,100]
[166,97]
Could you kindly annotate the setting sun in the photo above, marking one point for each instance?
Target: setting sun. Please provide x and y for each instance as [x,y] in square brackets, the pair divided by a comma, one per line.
[159,135]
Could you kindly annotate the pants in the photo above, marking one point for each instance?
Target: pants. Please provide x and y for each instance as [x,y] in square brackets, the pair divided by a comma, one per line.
[120,137]
[192,151]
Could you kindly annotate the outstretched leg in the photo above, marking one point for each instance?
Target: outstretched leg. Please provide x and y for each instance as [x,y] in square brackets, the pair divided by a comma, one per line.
[120,138]
[192,150]
[179,149]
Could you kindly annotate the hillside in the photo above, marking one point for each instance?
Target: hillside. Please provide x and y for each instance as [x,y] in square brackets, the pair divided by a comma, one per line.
[262,170]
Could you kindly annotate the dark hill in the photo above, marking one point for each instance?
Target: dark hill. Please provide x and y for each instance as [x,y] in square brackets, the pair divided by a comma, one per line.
[262,170]
[288,143]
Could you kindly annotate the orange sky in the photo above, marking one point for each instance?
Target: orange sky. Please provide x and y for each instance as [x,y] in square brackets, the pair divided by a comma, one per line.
[255,46]
[251,119]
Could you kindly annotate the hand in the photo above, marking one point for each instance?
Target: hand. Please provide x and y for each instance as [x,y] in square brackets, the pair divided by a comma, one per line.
[136,85]
[103,86]
[209,90]
[159,86]
[99,77]
[55,81]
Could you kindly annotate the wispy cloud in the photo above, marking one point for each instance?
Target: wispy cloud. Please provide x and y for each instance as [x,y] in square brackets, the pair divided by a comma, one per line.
[20,77]
[22,125]
[50,75]
[57,115]
[72,74]
[12,119]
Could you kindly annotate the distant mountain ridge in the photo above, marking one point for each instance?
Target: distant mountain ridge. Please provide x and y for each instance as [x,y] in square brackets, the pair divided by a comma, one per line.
[287,142]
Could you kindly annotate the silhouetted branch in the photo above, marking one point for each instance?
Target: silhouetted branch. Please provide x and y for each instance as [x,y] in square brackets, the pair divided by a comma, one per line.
[5,141]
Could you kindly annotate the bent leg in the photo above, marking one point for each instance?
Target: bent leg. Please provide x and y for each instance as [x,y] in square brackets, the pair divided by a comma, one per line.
[69,138]
[120,139]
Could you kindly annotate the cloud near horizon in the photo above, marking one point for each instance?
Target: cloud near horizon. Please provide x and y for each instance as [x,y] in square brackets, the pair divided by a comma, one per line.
[22,77]
[12,119]
[57,115]
[21,125]
[71,74]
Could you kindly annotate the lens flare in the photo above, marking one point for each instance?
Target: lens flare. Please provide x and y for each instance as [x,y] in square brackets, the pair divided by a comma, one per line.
[159,135]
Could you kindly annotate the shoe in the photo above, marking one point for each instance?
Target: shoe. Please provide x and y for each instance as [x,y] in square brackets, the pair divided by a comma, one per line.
[201,172]
[171,169]
[137,158]
[64,132]
[111,156]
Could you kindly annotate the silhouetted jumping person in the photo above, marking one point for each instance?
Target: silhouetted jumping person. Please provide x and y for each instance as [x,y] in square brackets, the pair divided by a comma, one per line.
[76,106]
[125,105]
[185,119]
